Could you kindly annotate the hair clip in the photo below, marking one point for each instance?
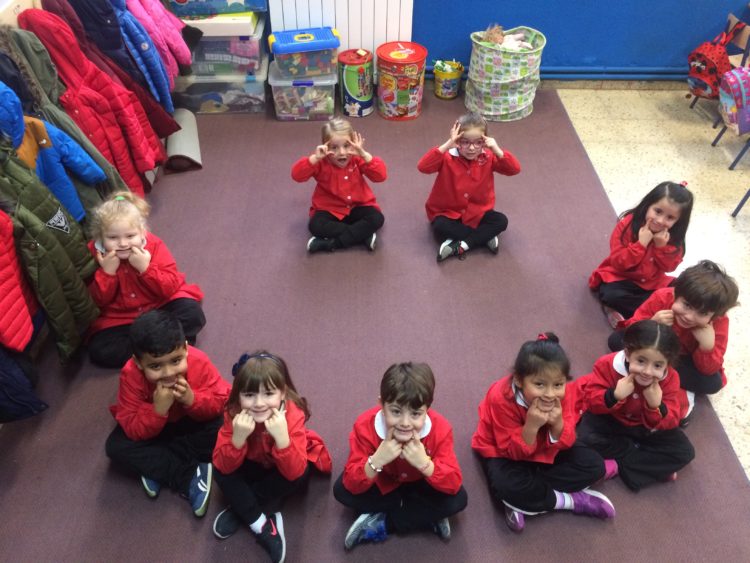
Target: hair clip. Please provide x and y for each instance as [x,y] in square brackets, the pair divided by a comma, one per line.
[120,198]
[241,362]
[542,336]
[683,184]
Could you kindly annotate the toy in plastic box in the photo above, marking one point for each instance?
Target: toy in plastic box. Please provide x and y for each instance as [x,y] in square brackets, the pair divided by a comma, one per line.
[223,93]
[302,99]
[183,8]
[305,52]
[230,54]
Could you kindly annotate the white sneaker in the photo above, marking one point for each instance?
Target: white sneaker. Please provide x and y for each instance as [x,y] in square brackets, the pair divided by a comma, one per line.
[371,242]
[494,245]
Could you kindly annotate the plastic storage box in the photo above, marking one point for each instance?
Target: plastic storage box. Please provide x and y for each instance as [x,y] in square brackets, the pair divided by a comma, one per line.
[305,52]
[223,93]
[183,8]
[302,99]
[229,54]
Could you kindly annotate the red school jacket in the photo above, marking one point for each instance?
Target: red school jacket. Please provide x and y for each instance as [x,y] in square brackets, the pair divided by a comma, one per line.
[134,410]
[464,189]
[339,190]
[646,267]
[502,417]
[633,410]
[127,294]
[304,446]
[367,434]
[708,362]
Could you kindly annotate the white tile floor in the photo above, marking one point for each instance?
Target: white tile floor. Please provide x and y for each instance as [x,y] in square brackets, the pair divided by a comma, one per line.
[637,138]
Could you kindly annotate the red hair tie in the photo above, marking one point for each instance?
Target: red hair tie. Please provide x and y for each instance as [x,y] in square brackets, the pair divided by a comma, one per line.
[683,184]
[542,336]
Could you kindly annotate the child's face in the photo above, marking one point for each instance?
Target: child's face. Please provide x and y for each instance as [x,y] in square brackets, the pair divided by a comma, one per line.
[122,235]
[662,215]
[260,404]
[547,386]
[340,147]
[404,420]
[687,316]
[164,369]
[646,365]
[471,143]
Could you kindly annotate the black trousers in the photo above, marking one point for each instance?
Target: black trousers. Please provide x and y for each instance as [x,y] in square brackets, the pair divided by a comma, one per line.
[411,507]
[171,457]
[492,224]
[531,486]
[690,378]
[353,229]
[110,347]
[623,296]
[253,489]
[643,457]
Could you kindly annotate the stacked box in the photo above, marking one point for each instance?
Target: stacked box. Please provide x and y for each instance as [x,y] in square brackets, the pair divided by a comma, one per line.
[229,54]
[183,8]
[305,52]
[302,99]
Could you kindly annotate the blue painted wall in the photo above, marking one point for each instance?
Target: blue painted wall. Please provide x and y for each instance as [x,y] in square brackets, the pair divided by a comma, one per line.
[640,37]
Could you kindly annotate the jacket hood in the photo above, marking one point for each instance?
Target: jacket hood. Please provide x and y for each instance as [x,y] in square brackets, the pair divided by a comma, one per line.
[11,75]
[63,9]
[101,24]
[39,67]
[11,115]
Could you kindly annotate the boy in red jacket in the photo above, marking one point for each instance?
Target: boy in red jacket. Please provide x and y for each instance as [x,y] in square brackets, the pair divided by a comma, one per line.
[402,474]
[168,411]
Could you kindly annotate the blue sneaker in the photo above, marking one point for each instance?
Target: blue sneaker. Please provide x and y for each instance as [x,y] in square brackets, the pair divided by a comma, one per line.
[200,489]
[367,528]
[152,488]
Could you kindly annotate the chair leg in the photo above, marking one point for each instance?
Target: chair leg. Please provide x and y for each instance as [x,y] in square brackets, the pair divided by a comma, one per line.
[739,156]
[716,122]
[719,136]
[695,101]
[741,203]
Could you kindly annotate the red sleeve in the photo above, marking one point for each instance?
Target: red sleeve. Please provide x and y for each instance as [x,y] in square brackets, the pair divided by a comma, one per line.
[670,398]
[302,170]
[135,408]
[667,257]
[446,477]
[374,170]
[227,458]
[709,362]
[210,391]
[360,448]
[625,255]
[650,307]
[431,162]
[161,276]
[508,165]
[103,287]
[602,378]
[292,460]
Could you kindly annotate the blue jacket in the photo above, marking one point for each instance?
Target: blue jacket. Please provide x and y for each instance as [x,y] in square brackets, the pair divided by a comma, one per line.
[55,152]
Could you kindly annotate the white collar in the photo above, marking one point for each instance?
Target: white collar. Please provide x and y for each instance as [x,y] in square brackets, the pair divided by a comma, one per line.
[519,395]
[453,151]
[618,362]
[381,430]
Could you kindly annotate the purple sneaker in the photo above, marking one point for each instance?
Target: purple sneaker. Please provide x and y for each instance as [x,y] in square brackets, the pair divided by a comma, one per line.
[592,503]
[514,519]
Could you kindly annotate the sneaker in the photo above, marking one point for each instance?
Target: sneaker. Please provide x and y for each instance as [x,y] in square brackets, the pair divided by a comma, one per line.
[514,519]
[443,529]
[614,318]
[451,248]
[592,503]
[271,538]
[685,422]
[151,487]
[319,244]
[611,469]
[671,477]
[367,527]
[494,245]
[371,242]
[226,523]
[200,489]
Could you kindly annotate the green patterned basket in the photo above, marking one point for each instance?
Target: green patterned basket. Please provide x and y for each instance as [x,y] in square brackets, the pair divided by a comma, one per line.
[506,101]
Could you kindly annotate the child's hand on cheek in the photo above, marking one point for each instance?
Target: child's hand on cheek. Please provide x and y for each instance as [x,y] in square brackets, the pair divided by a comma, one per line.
[108,262]
[321,153]
[414,452]
[555,419]
[243,424]
[645,236]
[277,428]
[706,336]
[624,388]
[653,394]
[139,258]
[388,450]
[183,393]
[664,317]
[163,398]
[536,417]
[661,238]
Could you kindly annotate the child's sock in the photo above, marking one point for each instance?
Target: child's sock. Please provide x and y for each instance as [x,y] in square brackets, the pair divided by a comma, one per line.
[563,501]
[257,526]
[611,470]
[464,246]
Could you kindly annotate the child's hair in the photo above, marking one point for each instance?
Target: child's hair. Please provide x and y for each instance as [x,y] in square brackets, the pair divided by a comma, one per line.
[540,355]
[157,333]
[119,206]
[472,120]
[261,368]
[651,334]
[675,193]
[707,287]
[336,126]
[408,383]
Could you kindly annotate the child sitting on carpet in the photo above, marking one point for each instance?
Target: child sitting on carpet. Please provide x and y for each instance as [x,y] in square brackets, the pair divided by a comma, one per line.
[648,241]
[136,273]
[460,205]
[344,212]
[264,452]
[696,308]
[526,439]
[634,405]
[168,411]
[402,474]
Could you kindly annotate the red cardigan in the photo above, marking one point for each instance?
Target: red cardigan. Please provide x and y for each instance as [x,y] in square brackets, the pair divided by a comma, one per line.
[501,421]
[260,447]
[339,190]
[708,362]
[633,410]
[367,434]
[464,189]
[646,267]
[127,294]
[134,410]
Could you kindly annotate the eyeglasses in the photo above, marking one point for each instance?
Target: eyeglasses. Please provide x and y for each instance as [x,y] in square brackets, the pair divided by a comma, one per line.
[466,143]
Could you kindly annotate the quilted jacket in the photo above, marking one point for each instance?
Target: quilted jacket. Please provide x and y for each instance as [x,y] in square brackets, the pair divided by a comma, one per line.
[16,327]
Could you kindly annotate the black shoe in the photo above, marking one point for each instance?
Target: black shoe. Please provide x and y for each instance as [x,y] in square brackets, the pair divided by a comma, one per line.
[443,529]
[226,523]
[271,538]
[371,242]
[685,422]
[319,244]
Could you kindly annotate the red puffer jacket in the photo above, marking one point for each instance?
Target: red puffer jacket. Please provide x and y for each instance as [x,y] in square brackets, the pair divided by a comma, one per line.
[101,108]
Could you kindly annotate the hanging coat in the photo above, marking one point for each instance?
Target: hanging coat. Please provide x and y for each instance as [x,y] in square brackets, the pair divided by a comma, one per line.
[17,303]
